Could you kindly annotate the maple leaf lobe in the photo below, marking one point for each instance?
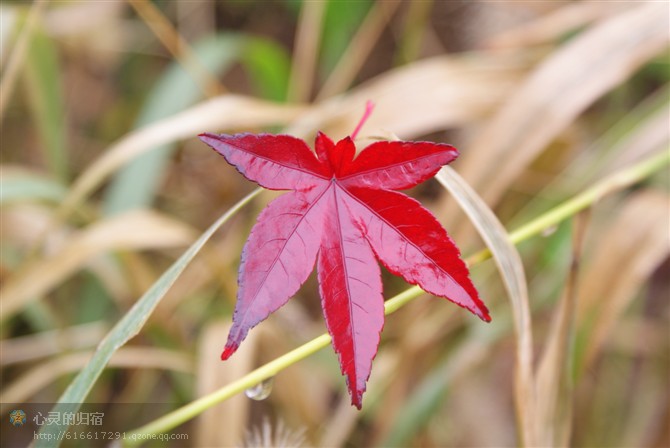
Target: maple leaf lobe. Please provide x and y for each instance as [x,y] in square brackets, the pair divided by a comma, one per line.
[285,164]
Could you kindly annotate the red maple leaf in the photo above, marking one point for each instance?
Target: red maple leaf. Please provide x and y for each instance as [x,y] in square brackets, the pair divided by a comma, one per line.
[342,215]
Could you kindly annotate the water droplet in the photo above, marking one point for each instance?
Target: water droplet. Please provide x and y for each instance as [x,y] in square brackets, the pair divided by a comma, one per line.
[260,391]
[549,231]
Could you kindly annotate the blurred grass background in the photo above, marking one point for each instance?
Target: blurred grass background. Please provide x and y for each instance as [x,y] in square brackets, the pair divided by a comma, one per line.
[103,184]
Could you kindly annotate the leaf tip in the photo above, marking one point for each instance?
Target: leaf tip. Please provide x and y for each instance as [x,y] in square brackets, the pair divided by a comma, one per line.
[228,351]
[454,153]
[357,400]
[207,138]
[483,313]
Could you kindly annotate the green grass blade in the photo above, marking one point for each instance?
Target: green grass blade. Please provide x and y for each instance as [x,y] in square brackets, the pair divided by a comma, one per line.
[43,82]
[135,186]
[338,26]
[128,327]
[16,187]
[268,66]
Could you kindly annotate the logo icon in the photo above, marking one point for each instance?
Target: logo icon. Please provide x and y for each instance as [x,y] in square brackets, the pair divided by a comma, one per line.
[17,417]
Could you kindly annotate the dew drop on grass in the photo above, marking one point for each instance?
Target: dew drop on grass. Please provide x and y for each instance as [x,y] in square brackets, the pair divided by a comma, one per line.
[549,231]
[260,391]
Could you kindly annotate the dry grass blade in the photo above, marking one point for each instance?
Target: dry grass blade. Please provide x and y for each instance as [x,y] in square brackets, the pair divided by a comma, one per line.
[212,375]
[21,223]
[40,345]
[225,112]
[47,372]
[210,266]
[446,91]
[341,423]
[14,64]
[297,389]
[133,230]
[74,19]
[305,52]
[428,395]
[340,420]
[629,251]
[509,265]
[554,375]
[562,87]
[556,24]
[648,136]
[359,49]
[614,182]
[616,149]
[177,46]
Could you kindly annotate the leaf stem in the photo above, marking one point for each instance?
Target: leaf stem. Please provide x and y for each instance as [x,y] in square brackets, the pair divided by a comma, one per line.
[610,184]
[369,107]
